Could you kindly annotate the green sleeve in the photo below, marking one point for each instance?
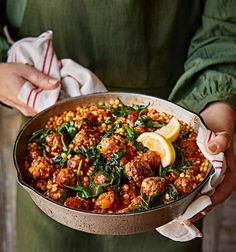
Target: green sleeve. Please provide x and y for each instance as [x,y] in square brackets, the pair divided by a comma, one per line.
[3,43]
[210,69]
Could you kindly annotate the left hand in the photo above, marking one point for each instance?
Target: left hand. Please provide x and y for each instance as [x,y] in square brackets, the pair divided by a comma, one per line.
[221,119]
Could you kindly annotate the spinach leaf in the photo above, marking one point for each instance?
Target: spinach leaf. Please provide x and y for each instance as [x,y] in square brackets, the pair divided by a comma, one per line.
[41,135]
[158,124]
[78,171]
[91,191]
[150,201]
[93,154]
[114,180]
[163,171]
[139,146]
[115,158]
[132,136]
[136,208]
[179,154]
[69,129]
[144,121]
[44,153]
[81,124]
[184,165]
[114,169]
[61,159]
[110,168]
[109,120]
[63,198]
[64,147]
[110,132]
[141,107]
[173,193]
[121,111]
[184,135]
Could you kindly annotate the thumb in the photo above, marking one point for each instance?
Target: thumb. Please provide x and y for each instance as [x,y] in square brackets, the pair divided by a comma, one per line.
[38,78]
[220,143]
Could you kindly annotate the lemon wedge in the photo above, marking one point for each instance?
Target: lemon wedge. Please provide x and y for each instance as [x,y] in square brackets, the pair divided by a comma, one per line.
[156,142]
[171,130]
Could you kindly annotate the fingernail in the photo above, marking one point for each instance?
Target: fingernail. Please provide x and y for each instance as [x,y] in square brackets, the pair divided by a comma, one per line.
[53,81]
[212,147]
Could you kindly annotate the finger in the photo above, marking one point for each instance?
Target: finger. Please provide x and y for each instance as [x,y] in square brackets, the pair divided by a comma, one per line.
[38,78]
[200,215]
[23,108]
[26,110]
[220,143]
[228,185]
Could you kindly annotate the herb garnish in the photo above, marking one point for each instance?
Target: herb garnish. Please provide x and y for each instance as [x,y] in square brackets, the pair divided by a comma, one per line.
[41,135]
[69,129]
[132,136]
[172,191]
[110,132]
[123,110]
[184,135]
[150,201]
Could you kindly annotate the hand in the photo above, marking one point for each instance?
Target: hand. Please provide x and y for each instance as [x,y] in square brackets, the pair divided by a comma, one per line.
[221,119]
[12,78]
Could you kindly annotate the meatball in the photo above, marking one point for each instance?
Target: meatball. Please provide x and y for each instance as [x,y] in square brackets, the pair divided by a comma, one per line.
[78,203]
[55,192]
[184,184]
[153,185]
[64,177]
[138,170]
[100,178]
[54,142]
[112,144]
[87,137]
[42,168]
[73,162]
[105,200]
[189,146]
[152,158]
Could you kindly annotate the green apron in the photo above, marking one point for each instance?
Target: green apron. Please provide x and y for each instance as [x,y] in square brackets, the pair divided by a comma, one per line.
[132,45]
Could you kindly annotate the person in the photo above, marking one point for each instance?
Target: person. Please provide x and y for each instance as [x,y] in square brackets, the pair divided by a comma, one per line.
[181,50]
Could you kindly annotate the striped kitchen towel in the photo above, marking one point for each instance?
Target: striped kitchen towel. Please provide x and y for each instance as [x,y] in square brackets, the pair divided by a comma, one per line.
[75,79]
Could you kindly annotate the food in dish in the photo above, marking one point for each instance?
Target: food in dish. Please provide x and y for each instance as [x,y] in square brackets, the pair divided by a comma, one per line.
[114,158]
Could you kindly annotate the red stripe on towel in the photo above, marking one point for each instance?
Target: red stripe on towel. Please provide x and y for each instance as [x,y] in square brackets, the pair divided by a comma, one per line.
[49,69]
[30,93]
[46,56]
[219,161]
[61,65]
[44,63]
[50,65]
[209,137]
[43,70]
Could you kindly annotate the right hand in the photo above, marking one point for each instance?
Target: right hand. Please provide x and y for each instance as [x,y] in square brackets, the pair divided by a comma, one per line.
[12,78]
